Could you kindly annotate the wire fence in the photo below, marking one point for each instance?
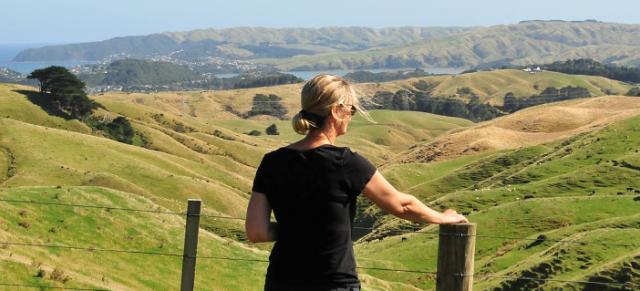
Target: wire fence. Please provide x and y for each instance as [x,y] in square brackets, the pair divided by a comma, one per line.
[480,277]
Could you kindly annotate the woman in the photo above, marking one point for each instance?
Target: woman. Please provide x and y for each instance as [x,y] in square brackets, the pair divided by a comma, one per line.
[311,186]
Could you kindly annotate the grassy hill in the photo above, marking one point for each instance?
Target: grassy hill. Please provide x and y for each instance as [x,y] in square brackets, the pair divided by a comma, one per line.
[568,171]
[493,85]
[131,72]
[490,86]
[584,189]
[240,42]
[522,44]
[175,156]
[115,230]
[367,48]
[529,127]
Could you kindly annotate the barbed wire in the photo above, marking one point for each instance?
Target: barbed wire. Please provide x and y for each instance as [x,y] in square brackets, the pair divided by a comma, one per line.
[109,208]
[231,259]
[373,230]
[89,249]
[90,206]
[221,216]
[266,261]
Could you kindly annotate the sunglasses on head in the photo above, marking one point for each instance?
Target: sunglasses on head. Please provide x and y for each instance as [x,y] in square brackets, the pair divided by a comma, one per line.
[352,109]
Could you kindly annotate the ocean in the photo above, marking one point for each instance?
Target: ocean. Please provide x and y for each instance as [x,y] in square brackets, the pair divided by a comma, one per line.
[9,51]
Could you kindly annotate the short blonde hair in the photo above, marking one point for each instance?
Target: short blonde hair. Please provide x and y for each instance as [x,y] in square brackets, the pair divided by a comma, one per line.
[317,97]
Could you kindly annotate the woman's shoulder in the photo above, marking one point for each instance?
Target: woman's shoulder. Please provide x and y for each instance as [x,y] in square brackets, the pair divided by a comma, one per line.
[342,151]
[327,150]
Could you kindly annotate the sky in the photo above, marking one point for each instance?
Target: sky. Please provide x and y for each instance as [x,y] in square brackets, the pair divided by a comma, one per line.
[68,21]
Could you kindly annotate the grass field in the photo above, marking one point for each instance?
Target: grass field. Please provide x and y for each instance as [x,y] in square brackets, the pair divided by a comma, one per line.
[109,229]
[489,86]
[581,183]
[584,189]
[174,157]
[532,126]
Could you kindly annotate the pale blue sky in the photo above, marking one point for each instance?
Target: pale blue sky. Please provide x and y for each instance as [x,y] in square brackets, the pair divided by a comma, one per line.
[62,21]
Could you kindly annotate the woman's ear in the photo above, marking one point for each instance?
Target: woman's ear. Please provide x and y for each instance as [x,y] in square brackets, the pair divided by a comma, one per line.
[336,112]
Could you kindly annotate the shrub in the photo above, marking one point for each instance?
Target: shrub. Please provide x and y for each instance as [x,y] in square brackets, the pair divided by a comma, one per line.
[58,275]
[267,105]
[25,224]
[635,91]
[272,130]
[120,129]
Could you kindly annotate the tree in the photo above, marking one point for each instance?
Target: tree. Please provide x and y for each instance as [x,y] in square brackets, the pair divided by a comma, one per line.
[510,103]
[120,129]
[64,90]
[456,108]
[267,105]
[403,100]
[635,91]
[272,130]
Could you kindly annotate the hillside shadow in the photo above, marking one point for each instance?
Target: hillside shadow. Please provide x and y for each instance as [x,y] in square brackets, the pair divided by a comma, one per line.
[44,103]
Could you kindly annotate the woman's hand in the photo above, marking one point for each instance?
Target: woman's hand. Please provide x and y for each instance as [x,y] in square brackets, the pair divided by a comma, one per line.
[406,206]
[450,216]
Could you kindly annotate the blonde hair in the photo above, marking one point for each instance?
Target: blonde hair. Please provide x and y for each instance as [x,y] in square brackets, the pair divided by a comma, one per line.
[317,97]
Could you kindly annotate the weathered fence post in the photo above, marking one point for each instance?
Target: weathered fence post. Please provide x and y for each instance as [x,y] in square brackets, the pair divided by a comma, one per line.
[190,245]
[456,249]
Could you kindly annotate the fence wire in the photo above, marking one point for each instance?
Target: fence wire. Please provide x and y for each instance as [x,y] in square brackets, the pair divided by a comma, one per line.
[141,252]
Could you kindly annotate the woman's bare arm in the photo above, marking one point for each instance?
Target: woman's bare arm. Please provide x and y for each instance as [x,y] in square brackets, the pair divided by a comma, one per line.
[406,206]
[258,225]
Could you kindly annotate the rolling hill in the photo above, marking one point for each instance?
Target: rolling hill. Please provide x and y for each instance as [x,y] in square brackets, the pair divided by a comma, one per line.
[368,48]
[560,211]
[520,44]
[529,127]
[565,171]
[490,86]
[47,158]
[239,42]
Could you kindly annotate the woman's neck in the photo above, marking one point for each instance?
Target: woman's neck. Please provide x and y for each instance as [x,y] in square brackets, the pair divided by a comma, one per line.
[320,137]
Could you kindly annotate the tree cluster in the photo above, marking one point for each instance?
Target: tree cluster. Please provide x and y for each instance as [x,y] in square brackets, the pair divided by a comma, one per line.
[594,68]
[550,94]
[421,101]
[64,90]
[635,91]
[369,77]
[262,80]
[119,129]
[267,105]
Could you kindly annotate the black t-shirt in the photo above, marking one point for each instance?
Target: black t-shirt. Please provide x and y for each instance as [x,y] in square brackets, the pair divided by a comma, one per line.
[313,197]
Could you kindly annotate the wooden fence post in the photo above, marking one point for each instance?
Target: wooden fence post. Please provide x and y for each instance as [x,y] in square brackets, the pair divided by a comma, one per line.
[456,249]
[190,245]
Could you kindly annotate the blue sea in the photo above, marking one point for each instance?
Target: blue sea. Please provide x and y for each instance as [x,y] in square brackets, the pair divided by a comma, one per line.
[306,75]
[9,51]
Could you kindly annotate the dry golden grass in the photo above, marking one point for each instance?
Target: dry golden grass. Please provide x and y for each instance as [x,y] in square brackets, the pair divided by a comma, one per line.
[533,126]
